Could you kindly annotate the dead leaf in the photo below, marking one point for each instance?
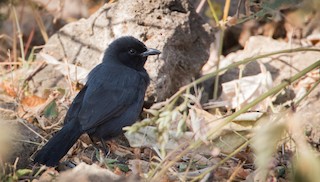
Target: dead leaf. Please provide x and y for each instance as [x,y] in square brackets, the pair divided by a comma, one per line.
[228,137]
[244,90]
[76,73]
[34,107]
[243,173]
[198,159]
[8,89]
[199,121]
[314,39]
[32,101]
[118,171]
[139,166]
[147,137]
[121,151]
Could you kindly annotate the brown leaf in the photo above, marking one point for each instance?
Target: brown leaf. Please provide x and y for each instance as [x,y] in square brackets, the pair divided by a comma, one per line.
[8,89]
[32,101]
[243,173]
[48,175]
[118,171]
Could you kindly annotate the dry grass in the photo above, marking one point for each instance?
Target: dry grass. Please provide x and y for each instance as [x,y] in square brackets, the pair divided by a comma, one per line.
[193,159]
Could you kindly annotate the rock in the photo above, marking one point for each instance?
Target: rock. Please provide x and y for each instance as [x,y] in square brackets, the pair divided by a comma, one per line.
[16,138]
[67,10]
[85,172]
[90,173]
[16,141]
[281,67]
[168,25]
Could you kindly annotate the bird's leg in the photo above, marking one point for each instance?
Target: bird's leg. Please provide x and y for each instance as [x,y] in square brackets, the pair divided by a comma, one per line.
[105,148]
[96,147]
[94,144]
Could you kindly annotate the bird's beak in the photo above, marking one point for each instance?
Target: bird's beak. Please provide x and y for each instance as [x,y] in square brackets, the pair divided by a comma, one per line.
[149,52]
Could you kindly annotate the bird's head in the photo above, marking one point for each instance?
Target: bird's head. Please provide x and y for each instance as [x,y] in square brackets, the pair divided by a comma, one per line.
[129,51]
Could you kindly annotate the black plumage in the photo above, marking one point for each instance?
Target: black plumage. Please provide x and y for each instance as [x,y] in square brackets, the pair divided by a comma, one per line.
[111,99]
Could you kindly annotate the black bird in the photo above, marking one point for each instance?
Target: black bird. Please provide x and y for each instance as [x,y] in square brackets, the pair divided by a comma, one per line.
[111,99]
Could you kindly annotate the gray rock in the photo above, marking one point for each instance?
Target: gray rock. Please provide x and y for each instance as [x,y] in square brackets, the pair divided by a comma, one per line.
[17,142]
[168,25]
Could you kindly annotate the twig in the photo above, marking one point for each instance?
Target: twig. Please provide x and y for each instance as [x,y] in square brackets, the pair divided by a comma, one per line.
[214,14]
[21,121]
[104,8]
[200,6]
[234,65]
[26,141]
[226,10]
[29,41]
[40,23]
[19,33]
[235,172]
[308,92]
[198,142]
[36,70]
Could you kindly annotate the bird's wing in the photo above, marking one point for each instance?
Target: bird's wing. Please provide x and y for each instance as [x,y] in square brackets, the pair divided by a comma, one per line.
[75,106]
[108,94]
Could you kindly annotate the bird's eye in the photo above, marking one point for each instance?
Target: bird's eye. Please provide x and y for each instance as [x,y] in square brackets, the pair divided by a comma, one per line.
[132,51]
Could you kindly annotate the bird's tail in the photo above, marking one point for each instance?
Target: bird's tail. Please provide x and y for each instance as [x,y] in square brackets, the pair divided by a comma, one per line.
[59,144]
